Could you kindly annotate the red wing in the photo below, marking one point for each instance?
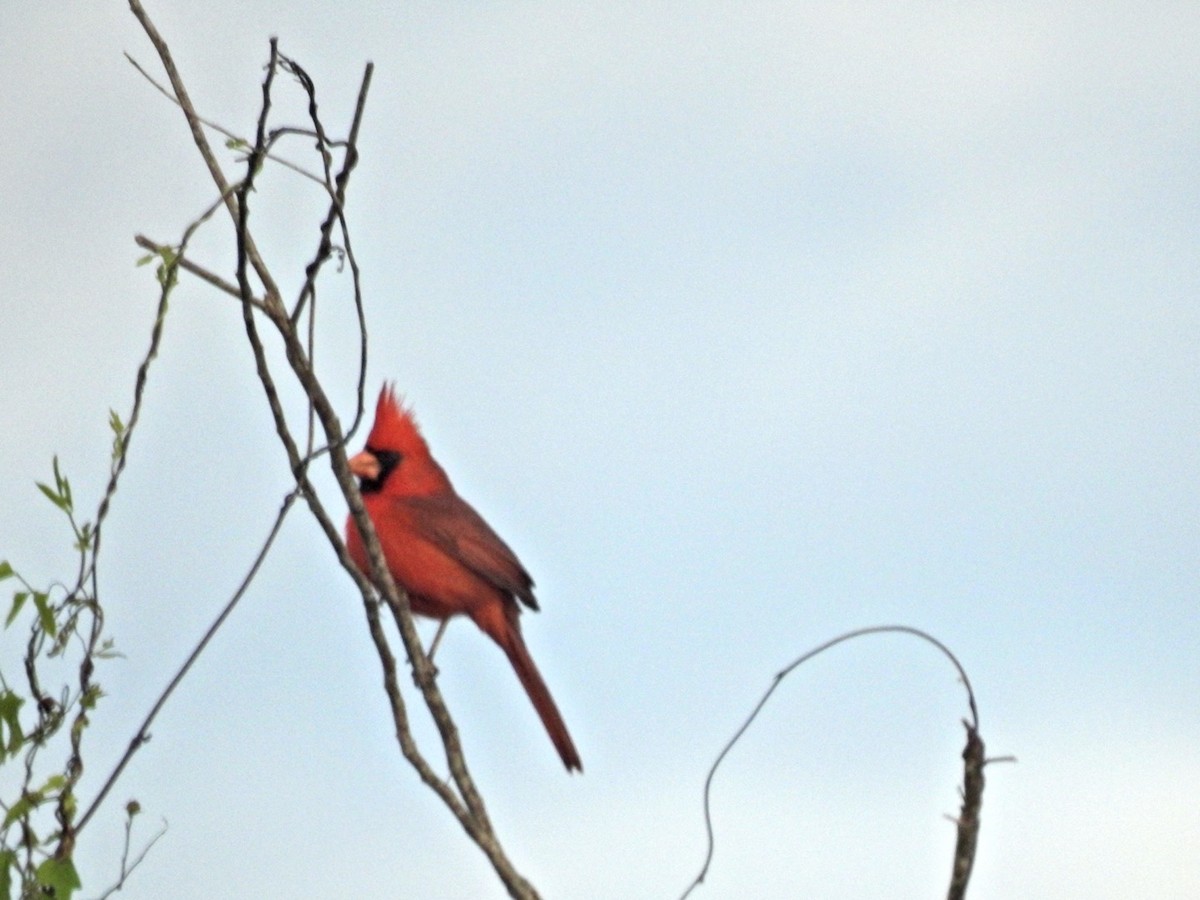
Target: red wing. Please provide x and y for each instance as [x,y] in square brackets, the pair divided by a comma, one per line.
[452,524]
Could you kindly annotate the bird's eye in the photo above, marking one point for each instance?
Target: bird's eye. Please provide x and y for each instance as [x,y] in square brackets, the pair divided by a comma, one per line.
[388,460]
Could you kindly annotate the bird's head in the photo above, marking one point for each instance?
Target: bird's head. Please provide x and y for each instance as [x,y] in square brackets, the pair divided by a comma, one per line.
[396,459]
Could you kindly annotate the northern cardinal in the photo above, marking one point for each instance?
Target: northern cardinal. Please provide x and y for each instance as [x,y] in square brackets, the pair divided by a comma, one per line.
[442,553]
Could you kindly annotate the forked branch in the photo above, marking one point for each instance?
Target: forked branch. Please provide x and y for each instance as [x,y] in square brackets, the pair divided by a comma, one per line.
[265,303]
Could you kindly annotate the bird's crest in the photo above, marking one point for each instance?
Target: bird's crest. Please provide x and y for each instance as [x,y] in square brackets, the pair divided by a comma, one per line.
[395,428]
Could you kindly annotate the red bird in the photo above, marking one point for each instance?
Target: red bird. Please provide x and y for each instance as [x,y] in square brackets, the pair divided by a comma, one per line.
[442,553]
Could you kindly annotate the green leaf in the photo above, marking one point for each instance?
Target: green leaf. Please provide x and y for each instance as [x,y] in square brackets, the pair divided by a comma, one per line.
[6,571]
[91,696]
[60,876]
[166,270]
[45,613]
[8,860]
[108,650]
[10,717]
[55,498]
[84,543]
[19,599]
[118,430]
[149,257]
[25,804]
[63,486]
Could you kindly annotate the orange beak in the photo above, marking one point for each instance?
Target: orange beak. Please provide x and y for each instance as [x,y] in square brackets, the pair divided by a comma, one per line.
[365,465]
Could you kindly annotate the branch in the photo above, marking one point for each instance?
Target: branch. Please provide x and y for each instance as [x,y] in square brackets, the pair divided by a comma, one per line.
[203,274]
[968,818]
[65,812]
[198,138]
[127,868]
[968,821]
[142,735]
[467,805]
[241,141]
[474,818]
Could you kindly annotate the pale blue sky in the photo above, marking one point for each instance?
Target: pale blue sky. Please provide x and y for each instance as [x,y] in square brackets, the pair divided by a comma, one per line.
[744,329]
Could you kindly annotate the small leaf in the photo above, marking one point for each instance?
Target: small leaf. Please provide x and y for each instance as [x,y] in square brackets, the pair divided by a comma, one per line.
[19,599]
[10,716]
[55,498]
[60,876]
[84,543]
[25,804]
[63,485]
[166,269]
[91,697]
[118,430]
[6,571]
[149,257]
[45,613]
[108,650]
[8,860]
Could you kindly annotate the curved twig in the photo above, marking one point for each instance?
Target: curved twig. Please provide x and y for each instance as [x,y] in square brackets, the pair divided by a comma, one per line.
[972,730]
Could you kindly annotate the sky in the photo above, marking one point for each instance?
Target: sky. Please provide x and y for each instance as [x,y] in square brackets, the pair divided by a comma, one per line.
[745,328]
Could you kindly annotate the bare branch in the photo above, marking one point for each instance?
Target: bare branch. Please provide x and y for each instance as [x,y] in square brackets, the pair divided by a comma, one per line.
[466,804]
[203,274]
[218,128]
[201,142]
[972,755]
[128,868]
[968,818]
[143,733]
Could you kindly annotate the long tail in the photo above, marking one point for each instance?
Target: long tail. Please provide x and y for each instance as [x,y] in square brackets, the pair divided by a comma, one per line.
[508,636]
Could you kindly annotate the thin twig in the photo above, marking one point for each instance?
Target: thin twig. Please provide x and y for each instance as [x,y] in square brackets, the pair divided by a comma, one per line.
[200,272]
[215,127]
[337,194]
[142,734]
[65,812]
[127,870]
[210,160]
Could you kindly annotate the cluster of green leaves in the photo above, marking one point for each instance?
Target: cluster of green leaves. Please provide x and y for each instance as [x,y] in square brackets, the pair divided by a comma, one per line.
[41,727]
